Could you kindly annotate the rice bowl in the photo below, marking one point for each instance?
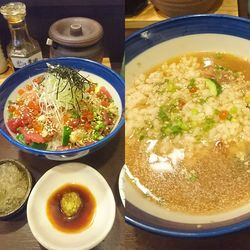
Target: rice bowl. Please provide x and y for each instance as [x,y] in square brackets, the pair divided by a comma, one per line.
[103,74]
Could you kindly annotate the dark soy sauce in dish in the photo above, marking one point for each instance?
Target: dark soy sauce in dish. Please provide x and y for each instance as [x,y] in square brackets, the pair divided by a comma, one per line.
[71,208]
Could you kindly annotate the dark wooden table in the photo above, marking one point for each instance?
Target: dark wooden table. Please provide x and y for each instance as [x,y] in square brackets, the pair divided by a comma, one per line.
[137,239]
[15,233]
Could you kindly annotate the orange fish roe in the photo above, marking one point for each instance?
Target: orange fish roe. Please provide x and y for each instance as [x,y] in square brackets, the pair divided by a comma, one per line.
[37,126]
[223,115]
[11,108]
[66,118]
[29,87]
[34,106]
[193,89]
[20,91]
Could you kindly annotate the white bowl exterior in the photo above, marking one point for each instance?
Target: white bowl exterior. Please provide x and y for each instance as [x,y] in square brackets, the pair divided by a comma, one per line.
[103,220]
[155,56]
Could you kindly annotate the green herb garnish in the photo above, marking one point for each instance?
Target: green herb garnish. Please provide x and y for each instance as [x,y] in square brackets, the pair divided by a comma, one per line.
[42,146]
[20,138]
[162,114]
[75,114]
[191,83]
[193,177]
[219,55]
[208,124]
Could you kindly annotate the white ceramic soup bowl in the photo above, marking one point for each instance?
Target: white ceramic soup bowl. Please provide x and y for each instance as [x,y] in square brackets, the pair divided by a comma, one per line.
[150,47]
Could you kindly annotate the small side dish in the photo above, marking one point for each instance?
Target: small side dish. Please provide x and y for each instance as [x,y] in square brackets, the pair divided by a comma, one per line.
[76,208]
[15,185]
[71,208]
[60,109]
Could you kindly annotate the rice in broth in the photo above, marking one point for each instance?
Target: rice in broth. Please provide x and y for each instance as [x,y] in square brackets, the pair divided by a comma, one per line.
[188,132]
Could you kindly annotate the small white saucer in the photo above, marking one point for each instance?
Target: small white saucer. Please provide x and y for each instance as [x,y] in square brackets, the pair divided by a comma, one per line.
[56,177]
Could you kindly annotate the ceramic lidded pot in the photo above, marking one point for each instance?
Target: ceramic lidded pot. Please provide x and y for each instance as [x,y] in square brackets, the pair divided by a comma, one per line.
[76,37]
[183,7]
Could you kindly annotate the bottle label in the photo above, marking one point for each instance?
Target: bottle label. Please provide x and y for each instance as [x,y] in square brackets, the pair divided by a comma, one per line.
[19,62]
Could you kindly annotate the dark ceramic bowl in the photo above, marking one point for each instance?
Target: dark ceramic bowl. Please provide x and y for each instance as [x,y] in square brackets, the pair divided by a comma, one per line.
[28,176]
[174,8]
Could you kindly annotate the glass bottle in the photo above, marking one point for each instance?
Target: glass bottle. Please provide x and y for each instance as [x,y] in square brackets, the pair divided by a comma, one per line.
[22,49]
[3,62]
[6,68]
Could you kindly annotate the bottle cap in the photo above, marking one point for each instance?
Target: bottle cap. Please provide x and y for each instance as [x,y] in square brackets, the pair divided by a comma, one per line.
[13,12]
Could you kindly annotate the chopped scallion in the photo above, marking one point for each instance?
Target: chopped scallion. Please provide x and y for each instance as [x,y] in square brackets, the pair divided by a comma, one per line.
[194,111]
[233,110]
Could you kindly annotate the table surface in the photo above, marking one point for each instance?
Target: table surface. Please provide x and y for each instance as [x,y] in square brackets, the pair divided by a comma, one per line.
[150,15]
[139,240]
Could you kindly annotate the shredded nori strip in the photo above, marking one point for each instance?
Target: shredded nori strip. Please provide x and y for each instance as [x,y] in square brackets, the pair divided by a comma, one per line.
[73,76]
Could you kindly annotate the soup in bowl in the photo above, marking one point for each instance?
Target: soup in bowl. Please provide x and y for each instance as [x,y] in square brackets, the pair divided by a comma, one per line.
[188,126]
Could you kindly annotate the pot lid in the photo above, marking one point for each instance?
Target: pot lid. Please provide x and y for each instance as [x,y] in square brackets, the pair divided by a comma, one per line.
[76,31]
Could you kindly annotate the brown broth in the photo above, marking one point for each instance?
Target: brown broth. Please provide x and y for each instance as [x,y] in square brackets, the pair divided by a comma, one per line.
[82,219]
[230,61]
[223,183]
